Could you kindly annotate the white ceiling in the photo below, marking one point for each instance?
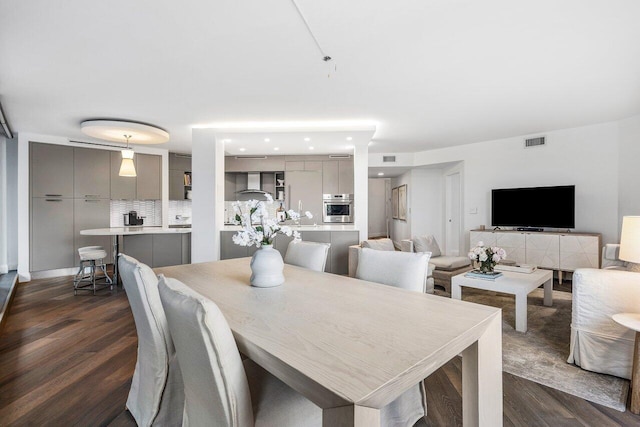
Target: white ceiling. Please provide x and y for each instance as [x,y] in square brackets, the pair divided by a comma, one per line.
[429,73]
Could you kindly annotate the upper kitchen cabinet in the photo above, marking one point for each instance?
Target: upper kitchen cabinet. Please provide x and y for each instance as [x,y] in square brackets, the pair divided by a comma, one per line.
[149,179]
[122,187]
[253,163]
[51,170]
[91,173]
[179,176]
[305,188]
[146,186]
[337,176]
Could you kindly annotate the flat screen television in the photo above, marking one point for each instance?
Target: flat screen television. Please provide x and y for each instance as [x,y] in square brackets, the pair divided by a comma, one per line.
[552,207]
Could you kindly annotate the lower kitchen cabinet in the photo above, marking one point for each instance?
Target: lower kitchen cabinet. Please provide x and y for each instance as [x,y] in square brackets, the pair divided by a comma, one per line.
[337,259]
[158,250]
[51,233]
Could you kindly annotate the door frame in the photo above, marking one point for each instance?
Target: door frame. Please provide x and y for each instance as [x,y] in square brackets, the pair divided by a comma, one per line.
[447,173]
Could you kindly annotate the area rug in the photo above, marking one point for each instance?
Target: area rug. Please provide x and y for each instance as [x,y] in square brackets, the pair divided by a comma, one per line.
[540,354]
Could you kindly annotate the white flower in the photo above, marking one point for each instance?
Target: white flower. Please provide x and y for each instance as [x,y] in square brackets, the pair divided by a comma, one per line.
[480,244]
[471,255]
[495,258]
[269,198]
[308,214]
[483,257]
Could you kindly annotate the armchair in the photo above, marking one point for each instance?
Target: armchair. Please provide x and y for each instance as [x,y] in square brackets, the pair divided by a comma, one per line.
[598,343]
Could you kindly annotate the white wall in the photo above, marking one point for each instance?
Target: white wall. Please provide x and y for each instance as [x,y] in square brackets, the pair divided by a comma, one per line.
[427,203]
[4,267]
[629,177]
[378,201]
[586,157]
[12,203]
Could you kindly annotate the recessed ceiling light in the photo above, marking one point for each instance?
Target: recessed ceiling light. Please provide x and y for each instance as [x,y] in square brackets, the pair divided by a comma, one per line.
[276,148]
[307,139]
[380,173]
[310,148]
[349,138]
[242,149]
[267,140]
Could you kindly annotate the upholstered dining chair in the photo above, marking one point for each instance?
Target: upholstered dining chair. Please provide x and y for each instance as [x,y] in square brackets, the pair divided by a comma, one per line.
[156,396]
[223,390]
[311,255]
[404,270]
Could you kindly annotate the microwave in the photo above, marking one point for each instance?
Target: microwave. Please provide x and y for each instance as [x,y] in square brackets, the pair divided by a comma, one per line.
[337,208]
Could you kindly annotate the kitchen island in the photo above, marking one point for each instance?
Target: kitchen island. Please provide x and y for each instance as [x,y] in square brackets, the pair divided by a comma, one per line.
[341,236]
[154,246]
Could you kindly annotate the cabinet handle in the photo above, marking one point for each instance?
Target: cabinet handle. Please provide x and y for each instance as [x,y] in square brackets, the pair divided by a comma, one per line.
[92,200]
[53,195]
[53,200]
[95,196]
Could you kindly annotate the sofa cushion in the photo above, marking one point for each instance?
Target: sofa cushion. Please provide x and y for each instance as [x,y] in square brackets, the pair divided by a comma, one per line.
[379,244]
[426,244]
[450,262]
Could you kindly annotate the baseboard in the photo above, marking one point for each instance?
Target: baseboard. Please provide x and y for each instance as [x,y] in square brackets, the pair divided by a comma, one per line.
[48,274]
[12,277]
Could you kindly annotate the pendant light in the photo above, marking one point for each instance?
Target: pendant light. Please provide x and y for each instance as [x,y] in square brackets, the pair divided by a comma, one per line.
[127,168]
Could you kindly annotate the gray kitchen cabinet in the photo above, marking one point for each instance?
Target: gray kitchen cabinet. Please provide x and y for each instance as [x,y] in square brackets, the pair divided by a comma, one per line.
[167,250]
[229,186]
[91,213]
[255,164]
[181,162]
[149,179]
[319,237]
[339,252]
[294,166]
[51,171]
[228,249]
[158,250]
[305,186]
[313,165]
[345,172]
[176,185]
[91,170]
[330,177]
[139,246]
[281,243]
[51,233]
[122,187]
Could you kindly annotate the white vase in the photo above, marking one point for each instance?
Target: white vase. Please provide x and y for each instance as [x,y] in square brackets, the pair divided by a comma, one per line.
[267,267]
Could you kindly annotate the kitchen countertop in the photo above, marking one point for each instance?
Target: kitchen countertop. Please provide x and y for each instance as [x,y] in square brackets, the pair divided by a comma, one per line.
[124,231]
[319,227]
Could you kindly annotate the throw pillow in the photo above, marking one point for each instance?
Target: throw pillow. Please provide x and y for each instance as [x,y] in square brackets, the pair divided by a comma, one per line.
[379,244]
[426,244]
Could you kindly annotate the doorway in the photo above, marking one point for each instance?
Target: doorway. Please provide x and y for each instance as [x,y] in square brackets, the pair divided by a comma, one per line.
[453,212]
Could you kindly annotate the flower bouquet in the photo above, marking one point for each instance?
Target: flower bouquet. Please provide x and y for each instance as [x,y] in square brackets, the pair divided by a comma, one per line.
[486,257]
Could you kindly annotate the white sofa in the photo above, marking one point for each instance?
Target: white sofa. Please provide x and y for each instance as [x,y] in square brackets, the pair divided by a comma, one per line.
[444,266]
[598,343]
[382,245]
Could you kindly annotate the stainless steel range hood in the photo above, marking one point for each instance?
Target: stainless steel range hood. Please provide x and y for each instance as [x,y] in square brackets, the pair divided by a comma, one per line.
[253,184]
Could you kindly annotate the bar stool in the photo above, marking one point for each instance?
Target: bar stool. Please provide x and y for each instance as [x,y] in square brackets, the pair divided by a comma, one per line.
[91,257]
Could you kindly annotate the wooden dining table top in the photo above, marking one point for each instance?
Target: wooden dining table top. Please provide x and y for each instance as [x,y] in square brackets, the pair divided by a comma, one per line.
[335,339]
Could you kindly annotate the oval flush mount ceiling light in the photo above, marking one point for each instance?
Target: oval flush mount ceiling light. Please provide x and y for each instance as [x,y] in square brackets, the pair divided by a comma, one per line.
[112,130]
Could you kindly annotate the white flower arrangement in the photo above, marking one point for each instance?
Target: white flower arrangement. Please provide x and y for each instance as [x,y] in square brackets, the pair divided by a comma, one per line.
[257,228]
[487,256]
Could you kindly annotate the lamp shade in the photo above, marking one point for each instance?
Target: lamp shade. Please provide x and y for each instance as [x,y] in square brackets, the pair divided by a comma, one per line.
[630,239]
[127,168]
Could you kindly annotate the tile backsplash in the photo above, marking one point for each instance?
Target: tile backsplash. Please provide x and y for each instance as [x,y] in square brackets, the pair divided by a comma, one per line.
[182,208]
[151,210]
[229,213]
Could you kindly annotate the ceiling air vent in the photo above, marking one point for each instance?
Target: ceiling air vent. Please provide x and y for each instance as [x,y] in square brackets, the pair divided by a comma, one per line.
[534,142]
[388,159]
[252,157]
[339,156]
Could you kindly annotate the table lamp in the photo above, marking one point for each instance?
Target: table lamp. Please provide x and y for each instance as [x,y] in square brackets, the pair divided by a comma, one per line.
[630,242]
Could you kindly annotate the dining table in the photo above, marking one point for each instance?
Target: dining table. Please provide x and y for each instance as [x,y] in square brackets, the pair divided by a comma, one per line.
[352,346]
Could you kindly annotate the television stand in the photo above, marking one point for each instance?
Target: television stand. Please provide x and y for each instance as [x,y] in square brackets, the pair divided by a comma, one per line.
[536,229]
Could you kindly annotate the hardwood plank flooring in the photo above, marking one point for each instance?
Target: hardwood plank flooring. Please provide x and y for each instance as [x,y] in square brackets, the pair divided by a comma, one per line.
[68,360]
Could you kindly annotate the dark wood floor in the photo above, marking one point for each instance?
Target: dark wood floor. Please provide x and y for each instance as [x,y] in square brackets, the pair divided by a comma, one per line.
[68,360]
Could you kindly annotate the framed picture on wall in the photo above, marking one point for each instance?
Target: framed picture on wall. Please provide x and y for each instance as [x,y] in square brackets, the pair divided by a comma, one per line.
[394,203]
[402,202]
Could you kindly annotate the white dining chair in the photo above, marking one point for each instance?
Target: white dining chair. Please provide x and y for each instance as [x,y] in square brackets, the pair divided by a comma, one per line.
[156,396]
[221,389]
[404,270]
[311,255]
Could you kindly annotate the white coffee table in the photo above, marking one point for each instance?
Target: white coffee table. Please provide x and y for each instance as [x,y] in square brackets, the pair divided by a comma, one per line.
[518,284]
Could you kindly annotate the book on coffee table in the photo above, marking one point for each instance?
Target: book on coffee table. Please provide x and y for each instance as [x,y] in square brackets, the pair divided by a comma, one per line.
[477,274]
